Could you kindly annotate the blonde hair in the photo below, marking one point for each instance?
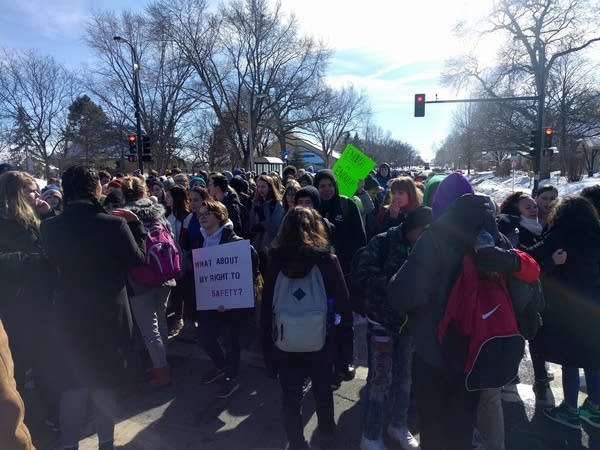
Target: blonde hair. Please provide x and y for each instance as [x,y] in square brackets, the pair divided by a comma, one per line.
[133,188]
[301,227]
[13,203]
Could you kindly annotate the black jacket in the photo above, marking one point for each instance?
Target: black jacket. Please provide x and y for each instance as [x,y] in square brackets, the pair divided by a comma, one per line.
[93,252]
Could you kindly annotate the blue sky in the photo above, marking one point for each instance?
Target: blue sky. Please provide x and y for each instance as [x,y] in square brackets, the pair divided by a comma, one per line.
[390,49]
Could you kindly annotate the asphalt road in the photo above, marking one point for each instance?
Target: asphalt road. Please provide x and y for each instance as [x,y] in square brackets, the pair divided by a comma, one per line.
[186,415]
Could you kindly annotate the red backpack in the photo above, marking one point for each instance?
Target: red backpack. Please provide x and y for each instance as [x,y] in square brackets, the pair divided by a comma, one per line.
[478,333]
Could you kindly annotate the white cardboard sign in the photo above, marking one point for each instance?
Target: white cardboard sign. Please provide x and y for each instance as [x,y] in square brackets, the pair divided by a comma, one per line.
[223,276]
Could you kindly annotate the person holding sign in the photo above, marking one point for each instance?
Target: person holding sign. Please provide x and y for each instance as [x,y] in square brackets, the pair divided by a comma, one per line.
[304,299]
[216,229]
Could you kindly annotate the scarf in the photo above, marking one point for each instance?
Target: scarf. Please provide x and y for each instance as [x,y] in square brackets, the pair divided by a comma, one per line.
[532,225]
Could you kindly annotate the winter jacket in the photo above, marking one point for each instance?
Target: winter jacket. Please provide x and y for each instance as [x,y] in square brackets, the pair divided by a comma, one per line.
[234,211]
[385,221]
[265,219]
[518,235]
[423,284]
[384,255]
[14,434]
[344,215]
[296,263]
[93,252]
[571,331]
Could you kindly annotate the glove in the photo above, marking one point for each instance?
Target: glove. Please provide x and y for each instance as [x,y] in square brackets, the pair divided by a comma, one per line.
[496,259]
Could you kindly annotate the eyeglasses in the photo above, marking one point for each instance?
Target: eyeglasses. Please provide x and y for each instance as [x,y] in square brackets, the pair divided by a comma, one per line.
[205,214]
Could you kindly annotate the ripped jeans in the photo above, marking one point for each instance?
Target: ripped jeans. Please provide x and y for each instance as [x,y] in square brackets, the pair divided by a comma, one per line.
[389,380]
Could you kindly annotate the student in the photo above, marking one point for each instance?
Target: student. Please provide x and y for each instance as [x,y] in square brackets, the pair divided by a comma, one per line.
[389,344]
[300,245]
[216,229]
[93,252]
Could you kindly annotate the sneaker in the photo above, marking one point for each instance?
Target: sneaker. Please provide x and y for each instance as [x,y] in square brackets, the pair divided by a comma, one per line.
[212,375]
[371,444]
[402,436]
[589,414]
[229,386]
[564,415]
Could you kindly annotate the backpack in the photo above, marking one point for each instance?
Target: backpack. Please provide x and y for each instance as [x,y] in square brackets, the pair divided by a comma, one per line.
[300,312]
[478,333]
[162,257]
[356,287]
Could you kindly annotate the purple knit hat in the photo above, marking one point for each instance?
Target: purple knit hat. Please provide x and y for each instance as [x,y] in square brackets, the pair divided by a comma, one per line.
[450,188]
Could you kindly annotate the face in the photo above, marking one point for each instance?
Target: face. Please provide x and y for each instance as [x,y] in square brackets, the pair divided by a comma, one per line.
[289,198]
[326,189]
[168,199]
[528,208]
[306,202]
[384,171]
[31,193]
[262,189]
[400,198]
[181,181]
[545,201]
[53,201]
[207,219]
[157,191]
[195,202]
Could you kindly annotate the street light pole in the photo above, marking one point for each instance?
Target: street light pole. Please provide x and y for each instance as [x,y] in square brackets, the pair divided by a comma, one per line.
[136,101]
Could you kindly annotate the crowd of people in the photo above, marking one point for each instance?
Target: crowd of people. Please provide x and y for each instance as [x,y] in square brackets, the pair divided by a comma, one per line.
[73,301]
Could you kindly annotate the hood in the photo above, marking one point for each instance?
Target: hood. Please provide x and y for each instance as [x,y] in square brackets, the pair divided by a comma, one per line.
[219,231]
[449,189]
[323,174]
[465,218]
[296,262]
[147,210]
[309,191]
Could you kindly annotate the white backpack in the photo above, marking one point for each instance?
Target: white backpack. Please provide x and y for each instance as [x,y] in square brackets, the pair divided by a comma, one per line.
[300,312]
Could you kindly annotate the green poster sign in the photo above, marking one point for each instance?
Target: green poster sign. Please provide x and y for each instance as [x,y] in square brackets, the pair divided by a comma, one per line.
[352,166]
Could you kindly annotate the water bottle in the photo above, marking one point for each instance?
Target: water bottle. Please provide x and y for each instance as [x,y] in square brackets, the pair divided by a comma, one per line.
[330,312]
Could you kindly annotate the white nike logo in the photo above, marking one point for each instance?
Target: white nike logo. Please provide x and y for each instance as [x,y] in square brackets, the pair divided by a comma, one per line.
[484,316]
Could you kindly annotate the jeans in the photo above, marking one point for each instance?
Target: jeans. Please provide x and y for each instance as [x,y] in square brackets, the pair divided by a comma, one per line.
[150,311]
[447,411]
[293,369]
[390,363]
[73,405]
[570,381]
[228,324]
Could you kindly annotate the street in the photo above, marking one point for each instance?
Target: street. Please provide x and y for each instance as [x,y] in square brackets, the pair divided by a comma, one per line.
[186,415]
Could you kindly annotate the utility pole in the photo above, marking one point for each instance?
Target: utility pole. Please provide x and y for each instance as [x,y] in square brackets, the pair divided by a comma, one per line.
[541,87]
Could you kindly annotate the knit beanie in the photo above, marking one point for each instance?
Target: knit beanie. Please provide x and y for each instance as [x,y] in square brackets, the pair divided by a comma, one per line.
[325,174]
[449,189]
[309,191]
[197,180]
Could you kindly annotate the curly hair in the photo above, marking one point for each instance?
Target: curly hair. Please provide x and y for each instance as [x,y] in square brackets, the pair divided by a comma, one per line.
[81,183]
[575,216]
[510,205]
[301,227]
[13,203]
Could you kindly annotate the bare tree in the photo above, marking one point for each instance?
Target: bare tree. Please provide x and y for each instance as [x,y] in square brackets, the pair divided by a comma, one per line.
[537,35]
[336,112]
[165,78]
[252,64]
[35,92]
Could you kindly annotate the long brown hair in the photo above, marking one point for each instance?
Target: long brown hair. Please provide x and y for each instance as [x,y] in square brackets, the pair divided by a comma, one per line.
[408,185]
[273,194]
[13,203]
[301,227]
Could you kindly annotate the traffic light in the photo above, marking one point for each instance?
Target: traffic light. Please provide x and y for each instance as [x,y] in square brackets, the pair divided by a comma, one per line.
[132,139]
[132,158]
[548,134]
[548,152]
[533,141]
[419,105]
[146,145]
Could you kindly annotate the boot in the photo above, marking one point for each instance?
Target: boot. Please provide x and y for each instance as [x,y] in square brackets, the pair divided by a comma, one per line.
[161,376]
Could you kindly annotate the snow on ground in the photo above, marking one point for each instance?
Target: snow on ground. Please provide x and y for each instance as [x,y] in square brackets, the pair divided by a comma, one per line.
[500,187]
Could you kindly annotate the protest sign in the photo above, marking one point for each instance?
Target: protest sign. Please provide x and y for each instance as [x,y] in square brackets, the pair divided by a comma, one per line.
[352,166]
[223,276]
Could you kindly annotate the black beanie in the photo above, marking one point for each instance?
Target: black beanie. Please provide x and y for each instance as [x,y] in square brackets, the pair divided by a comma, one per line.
[309,191]
[420,217]
[323,174]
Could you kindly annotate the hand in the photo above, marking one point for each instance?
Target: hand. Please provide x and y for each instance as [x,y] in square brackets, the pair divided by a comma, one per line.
[394,210]
[42,207]
[221,308]
[559,257]
[125,214]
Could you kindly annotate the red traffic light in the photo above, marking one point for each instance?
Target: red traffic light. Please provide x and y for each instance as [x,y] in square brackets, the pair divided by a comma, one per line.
[132,138]
[419,105]
[548,131]
[419,99]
